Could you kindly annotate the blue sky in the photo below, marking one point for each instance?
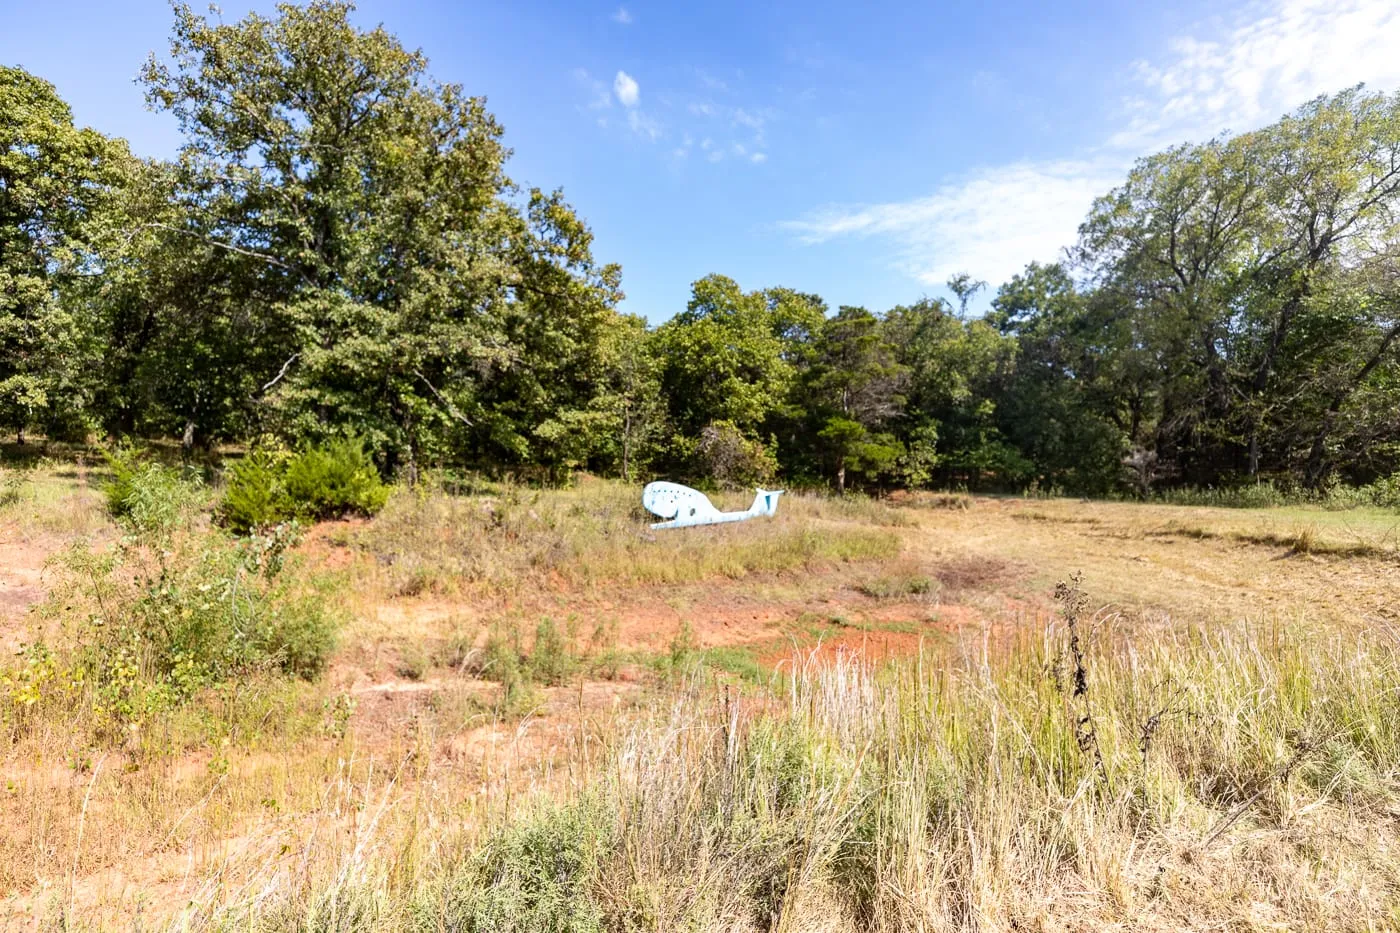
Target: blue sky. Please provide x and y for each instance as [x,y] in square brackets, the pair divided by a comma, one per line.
[860,151]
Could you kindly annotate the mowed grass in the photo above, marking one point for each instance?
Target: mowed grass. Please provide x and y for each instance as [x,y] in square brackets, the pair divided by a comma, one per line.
[1308,565]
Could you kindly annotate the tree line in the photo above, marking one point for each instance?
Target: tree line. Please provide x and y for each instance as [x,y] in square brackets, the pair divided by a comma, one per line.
[337,251]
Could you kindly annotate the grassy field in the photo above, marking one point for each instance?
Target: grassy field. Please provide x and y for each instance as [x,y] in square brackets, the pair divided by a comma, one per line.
[540,715]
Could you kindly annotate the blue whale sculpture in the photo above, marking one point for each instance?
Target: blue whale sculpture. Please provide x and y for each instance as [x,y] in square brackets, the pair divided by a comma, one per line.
[686,507]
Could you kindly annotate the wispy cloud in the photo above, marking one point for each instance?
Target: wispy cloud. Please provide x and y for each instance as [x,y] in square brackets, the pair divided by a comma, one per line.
[1275,57]
[706,112]
[1271,57]
[600,98]
[753,121]
[622,16]
[627,90]
[990,223]
[643,125]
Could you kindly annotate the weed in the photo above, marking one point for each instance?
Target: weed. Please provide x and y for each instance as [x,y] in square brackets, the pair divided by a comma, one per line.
[148,628]
[1073,603]
[413,662]
[897,587]
[682,648]
[148,497]
[12,486]
[536,875]
[602,656]
[552,657]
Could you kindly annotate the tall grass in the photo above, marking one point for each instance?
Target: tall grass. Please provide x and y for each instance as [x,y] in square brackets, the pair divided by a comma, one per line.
[1383,493]
[1236,777]
[427,540]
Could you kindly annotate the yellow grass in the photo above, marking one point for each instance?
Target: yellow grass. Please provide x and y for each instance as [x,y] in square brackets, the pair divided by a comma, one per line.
[945,790]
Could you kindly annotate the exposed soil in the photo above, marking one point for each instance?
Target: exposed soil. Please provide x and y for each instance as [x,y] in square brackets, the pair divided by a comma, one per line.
[21,584]
[417,718]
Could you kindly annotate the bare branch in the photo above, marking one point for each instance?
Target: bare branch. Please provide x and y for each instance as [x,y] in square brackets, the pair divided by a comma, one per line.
[254,254]
[451,409]
[281,372]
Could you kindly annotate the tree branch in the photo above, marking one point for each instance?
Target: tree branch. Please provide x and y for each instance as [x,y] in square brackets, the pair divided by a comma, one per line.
[451,409]
[281,372]
[254,254]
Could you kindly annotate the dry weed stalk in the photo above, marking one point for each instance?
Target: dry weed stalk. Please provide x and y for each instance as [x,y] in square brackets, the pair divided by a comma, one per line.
[1073,603]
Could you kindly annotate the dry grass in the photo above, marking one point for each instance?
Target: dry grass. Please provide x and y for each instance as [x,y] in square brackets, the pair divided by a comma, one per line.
[956,795]
[430,542]
[1244,697]
[51,498]
[1198,564]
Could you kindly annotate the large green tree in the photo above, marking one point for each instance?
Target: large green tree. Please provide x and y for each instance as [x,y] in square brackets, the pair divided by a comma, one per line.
[55,182]
[1222,256]
[733,355]
[1074,402]
[420,298]
[854,390]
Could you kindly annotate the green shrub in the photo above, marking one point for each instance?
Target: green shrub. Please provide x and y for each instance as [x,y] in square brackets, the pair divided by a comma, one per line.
[1384,492]
[12,484]
[334,480]
[123,461]
[552,659]
[330,481]
[149,627]
[538,874]
[254,497]
[149,497]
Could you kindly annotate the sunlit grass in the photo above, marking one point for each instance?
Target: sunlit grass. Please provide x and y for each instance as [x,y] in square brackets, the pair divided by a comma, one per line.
[428,541]
[954,792]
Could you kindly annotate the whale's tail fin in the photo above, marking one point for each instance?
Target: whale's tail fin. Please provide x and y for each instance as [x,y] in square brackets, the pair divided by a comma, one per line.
[766,502]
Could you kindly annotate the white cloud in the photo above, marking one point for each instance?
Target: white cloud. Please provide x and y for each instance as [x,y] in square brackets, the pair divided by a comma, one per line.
[1275,57]
[600,97]
[989,224]
[743,118]
[723,129]
[1271,58]
[626,89]
[643,125]
[622,16]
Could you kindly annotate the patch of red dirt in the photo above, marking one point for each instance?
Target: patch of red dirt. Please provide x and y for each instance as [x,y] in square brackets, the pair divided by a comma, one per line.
[872,646]
[327,543]
[21,585]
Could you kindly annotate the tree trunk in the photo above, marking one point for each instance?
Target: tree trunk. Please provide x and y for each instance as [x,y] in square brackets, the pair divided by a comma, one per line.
[1317,459]
[626,443]
[187,440]
[841,478]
